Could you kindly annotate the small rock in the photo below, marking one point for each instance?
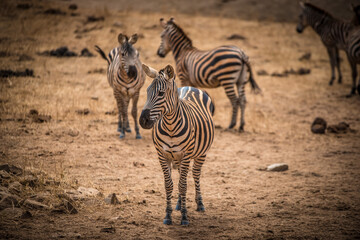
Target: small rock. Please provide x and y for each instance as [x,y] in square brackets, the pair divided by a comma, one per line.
[112,199]
[54,11]
[236,37]
[108,229]
[24,6]
[84,111]
[303,71]
[137,164]
[318,126]
[277,167]
[10,73]
[91,192]
[118,24]
[73,6]
[34,204]
[262,73]
[95,98]
[86,53]
[306,56]
[11,213]
[95,19]
[99,70]
[342,127]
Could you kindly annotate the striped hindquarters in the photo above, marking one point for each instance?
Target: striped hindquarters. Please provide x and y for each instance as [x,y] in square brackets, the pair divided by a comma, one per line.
[214,68]
[353,48]
[200,108]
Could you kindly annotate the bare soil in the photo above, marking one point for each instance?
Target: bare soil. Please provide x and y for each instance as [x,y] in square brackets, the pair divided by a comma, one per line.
[317,198]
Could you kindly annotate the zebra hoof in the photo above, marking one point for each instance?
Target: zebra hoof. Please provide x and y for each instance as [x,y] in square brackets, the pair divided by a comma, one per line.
[184,222]
[128,130]
[138,136]
[231,126]
[241,129]
[122,136]
[167,221]
[340,81]
[200,208]
[358,89]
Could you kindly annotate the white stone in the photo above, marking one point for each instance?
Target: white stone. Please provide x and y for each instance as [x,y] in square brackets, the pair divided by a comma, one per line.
[277,167]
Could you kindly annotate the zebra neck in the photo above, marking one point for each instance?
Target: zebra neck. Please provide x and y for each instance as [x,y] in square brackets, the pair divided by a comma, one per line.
[179,47]
[173,120]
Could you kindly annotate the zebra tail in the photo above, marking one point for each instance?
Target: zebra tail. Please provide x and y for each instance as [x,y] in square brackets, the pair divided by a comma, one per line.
[102,54]
[254,86]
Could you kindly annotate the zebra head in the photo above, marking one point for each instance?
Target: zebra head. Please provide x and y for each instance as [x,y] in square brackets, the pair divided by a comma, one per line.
[162,95]
[128,54]
[302,19]
[165,46]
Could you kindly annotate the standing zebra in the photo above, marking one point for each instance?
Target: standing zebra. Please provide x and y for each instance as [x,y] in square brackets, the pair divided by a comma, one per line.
[334,34]
[356,18]
[223,66]
[126,77]
[183,129]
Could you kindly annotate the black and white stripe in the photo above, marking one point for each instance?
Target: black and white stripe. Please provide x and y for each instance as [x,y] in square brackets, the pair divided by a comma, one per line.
[224,66]
[183,129]
[335,35]
[126,77]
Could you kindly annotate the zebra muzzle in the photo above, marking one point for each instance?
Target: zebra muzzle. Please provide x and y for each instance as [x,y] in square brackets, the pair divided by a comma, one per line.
[160,54]
[144,120]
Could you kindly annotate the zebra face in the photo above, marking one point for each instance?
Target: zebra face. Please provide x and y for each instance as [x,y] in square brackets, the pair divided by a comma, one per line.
[159,95]
[129,55]
[302,19]
[164,47]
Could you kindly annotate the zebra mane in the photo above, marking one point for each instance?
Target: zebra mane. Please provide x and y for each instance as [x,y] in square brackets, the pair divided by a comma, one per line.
[180,31]
[318,10]
[128,47]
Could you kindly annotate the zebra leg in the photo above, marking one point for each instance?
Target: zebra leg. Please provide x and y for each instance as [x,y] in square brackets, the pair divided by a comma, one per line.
[354,76]
[134,114]
[331,52]
[168,188]
[178,204]
[119,103]
[242,98]
[337,61]
[198,162]
[184,168]
[230,93]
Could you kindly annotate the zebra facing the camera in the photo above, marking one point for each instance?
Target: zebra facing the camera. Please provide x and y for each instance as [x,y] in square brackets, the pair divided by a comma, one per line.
[183,129]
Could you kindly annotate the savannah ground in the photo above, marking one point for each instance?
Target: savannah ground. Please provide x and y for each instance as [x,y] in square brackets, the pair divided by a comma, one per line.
[317,198]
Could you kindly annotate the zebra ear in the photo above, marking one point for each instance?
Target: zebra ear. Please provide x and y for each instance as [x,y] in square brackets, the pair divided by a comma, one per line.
[133,39]
[162,22]
[169,70]
[150,71]
[172,20]
[302,4]
[122,38]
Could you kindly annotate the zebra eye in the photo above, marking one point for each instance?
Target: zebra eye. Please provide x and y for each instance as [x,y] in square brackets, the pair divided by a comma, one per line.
[161,93]
[123,54]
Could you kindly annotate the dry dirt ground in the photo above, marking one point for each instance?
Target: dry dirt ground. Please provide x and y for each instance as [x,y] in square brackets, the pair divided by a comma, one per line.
[317,198]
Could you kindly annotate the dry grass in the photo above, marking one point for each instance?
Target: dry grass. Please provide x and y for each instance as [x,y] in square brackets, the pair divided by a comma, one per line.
[241,201]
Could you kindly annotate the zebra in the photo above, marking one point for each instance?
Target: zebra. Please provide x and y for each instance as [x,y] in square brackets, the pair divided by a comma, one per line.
[356,18]
[126,77]
[353,54]
[334,34]
[223,66]
[183,129]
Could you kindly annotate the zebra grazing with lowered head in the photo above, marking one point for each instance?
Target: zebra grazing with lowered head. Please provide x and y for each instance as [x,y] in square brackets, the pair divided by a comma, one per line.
[356,18]
[126,77]
[183,129]
[334,34]
[224,66]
